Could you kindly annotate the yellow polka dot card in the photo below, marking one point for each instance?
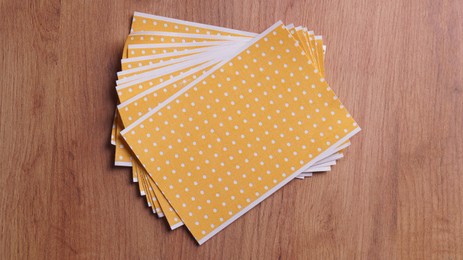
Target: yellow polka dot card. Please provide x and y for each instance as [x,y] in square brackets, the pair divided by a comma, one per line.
[142,22]
[237,133]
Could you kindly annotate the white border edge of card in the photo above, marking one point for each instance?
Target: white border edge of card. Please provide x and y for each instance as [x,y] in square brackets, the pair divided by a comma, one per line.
[173,45]
[320,169]
[335,152]
[125,164]
[189,35]
[178,53]
[145,68]
[161,55]
[324,164]
[175,226]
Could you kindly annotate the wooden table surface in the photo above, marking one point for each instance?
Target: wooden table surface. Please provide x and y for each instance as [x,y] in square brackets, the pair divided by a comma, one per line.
[397,66]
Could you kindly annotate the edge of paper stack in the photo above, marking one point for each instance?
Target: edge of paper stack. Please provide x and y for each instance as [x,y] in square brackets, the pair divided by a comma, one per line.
[214,120]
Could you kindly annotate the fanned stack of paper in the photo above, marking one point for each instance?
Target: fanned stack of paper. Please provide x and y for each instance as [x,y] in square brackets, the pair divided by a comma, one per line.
[214,120]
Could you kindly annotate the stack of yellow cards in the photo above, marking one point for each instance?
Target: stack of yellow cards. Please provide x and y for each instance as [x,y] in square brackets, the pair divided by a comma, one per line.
[214,120]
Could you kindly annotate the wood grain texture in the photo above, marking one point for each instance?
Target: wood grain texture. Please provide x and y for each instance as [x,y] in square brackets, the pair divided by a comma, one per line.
[398,193]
